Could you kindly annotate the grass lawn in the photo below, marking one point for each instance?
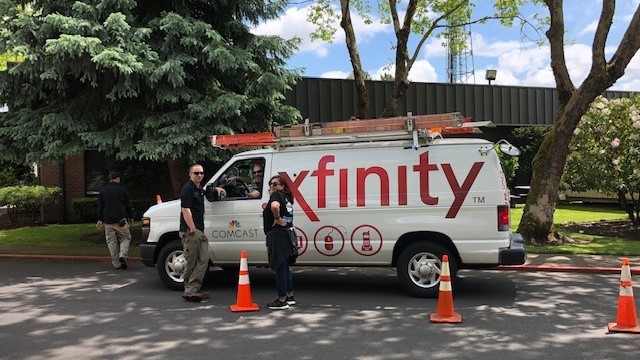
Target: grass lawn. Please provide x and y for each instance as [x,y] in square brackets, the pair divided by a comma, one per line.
[83,239]
[584,243]
[68,239]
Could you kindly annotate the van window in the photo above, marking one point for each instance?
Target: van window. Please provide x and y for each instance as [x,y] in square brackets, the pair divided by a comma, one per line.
[243,180]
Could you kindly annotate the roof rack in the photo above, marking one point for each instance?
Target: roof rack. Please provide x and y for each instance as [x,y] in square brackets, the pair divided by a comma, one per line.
[408,127]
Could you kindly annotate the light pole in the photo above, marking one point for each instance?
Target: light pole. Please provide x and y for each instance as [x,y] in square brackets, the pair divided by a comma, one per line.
[490,75]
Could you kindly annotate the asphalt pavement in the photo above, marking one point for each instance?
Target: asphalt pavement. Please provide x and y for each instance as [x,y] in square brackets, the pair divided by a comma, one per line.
[535,262]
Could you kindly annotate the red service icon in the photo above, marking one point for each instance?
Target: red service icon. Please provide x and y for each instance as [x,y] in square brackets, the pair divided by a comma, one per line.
[328,242]
[366,241]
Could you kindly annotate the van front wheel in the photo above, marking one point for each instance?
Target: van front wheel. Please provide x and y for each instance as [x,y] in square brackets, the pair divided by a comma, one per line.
[171,265]
[420,266]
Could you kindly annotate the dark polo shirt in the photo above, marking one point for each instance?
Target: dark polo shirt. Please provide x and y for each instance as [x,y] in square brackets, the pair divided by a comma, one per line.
[192,197]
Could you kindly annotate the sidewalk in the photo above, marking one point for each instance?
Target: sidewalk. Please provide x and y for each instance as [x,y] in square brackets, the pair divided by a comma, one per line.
[535,262]
[576,263]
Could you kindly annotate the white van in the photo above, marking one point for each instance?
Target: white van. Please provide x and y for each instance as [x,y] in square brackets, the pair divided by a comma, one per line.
[366,203]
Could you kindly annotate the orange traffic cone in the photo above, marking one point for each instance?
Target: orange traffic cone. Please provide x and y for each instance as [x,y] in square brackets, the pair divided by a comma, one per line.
[627,320]
[158,199]
[445,312]
[243,300]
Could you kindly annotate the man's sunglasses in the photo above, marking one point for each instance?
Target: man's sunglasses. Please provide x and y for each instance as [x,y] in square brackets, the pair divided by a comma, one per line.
[257,171]
[197,173]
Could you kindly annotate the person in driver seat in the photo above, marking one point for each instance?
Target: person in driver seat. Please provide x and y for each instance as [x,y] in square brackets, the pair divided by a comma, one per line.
[253,184]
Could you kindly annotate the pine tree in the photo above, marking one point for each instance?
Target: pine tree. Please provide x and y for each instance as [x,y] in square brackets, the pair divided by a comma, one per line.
[147,79]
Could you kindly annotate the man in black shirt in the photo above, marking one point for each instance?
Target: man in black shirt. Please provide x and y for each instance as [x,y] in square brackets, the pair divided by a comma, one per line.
[114,211]
[194,242]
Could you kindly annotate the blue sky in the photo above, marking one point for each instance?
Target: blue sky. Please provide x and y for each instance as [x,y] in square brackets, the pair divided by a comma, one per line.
[517,59]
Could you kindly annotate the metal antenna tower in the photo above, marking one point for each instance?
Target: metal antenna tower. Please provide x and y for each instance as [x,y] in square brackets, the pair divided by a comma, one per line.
[460,66]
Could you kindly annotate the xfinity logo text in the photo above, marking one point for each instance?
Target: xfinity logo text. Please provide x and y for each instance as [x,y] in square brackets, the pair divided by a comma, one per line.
[423,169]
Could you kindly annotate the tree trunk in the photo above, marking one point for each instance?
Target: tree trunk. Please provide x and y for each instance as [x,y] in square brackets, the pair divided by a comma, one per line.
[401,83]
[178,173]
[362,95]
[548,165]
[399,90]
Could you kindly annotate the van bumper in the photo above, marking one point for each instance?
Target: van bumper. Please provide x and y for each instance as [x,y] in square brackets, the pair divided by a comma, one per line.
[146,253]
[514,254]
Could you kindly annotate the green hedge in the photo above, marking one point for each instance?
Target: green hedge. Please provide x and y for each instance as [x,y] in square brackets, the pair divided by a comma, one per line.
[27,200]
[86,208]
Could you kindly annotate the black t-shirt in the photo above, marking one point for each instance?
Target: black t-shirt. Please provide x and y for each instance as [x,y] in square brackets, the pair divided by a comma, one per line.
[286,212]
[192,197]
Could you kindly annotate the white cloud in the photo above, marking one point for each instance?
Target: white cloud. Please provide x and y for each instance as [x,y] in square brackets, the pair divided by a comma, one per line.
[434,48]
[482,47]
[421,71]
[294,23]
[630,81]
[590,28]
[334,75]
[503,76]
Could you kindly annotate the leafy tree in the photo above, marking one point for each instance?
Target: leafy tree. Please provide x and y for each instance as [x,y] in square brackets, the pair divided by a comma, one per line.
[573,103]
[147,79]
[366,75]
[423,19]
[386,77]
[605,152]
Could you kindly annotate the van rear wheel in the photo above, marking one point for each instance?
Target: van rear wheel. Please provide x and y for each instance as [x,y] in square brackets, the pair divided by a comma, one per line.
[419,268]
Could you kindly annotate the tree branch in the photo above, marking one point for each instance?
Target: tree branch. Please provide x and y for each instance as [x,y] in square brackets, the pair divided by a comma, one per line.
[598,61]
[432,28]
[628,47]
[555,34]
[394,15]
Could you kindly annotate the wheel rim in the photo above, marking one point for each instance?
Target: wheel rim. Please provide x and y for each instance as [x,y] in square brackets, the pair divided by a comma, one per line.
[175,266]
[424,270]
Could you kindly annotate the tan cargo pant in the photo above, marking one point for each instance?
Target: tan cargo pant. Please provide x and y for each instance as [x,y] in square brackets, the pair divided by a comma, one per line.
[196,252]
[118,240]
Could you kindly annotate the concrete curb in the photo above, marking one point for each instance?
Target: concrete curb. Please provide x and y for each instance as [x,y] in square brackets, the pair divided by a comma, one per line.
[568,268]
[530,268]
[62,257]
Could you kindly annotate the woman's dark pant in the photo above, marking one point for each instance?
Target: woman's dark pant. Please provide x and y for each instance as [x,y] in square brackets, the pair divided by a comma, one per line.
[284,281]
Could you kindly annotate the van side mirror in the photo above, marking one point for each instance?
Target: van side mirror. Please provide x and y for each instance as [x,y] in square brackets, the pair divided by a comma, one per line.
[210,193]
[504,146]
[508,149]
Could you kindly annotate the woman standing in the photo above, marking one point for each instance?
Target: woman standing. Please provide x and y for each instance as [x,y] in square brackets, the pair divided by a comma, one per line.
[278,219]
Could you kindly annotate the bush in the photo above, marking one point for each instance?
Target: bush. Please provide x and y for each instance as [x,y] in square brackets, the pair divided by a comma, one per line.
[139,206]
[528,139]
[509,165]
[27,199]
[86,208]
[16,174]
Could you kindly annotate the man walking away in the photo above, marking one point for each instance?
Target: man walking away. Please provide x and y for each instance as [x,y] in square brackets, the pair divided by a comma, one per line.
[114,211]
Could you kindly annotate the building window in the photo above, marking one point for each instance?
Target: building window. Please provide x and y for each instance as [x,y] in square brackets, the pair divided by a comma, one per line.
[95,175]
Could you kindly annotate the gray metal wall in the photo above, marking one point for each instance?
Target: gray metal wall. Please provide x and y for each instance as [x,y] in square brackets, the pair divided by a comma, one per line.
[334,99]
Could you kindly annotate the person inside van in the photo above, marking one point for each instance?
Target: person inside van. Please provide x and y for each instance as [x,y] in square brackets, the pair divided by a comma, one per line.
[255,183]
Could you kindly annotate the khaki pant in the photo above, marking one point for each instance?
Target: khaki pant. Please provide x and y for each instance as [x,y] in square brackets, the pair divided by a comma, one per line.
[196,252]
[118,240]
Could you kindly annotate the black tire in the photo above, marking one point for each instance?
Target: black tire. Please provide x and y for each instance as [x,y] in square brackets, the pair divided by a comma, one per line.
[169,261]
[419,267]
